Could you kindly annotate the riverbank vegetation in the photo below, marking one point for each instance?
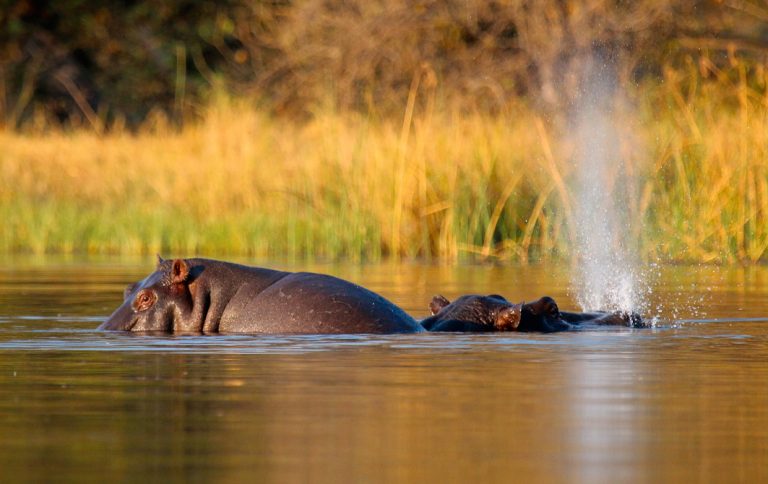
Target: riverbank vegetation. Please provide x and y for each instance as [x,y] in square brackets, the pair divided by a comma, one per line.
[438,183]
[409,156]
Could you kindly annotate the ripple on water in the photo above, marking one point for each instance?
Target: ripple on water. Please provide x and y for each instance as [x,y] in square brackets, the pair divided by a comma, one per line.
[675,402]
[56,337]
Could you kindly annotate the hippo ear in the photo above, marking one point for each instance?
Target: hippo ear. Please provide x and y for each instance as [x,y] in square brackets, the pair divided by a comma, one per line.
[179,271]
[438,303]
[508,319]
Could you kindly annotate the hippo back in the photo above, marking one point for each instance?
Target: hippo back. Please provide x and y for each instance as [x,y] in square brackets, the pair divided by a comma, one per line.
[311,303]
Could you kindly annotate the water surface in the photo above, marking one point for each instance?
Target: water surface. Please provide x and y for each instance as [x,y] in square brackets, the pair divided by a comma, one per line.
[686,400]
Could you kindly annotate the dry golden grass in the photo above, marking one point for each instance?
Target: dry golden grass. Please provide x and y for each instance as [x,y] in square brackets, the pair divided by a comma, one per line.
[436,183]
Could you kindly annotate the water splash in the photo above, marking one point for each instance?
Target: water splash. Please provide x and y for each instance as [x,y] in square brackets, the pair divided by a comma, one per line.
[607,273]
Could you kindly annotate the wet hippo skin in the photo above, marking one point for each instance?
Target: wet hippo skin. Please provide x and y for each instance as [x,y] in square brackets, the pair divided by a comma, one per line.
[475,313]
[209,296]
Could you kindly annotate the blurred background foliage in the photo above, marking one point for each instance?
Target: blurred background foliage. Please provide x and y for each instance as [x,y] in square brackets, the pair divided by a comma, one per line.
[368,129]
[97,63]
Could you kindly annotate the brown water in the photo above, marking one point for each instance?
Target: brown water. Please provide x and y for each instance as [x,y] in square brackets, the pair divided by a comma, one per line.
[684,401]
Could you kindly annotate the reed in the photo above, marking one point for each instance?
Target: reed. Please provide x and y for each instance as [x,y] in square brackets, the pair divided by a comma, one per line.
[437,183]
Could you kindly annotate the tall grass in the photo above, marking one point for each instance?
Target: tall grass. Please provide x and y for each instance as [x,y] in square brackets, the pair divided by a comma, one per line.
[435,183]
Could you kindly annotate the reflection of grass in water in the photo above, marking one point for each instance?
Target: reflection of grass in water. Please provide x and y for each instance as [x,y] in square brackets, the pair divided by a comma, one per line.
[240,182]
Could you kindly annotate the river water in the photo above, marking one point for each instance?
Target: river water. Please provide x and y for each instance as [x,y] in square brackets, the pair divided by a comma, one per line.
[687,400]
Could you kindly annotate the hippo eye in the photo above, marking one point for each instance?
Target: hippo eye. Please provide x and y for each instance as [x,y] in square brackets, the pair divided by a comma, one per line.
[144,300]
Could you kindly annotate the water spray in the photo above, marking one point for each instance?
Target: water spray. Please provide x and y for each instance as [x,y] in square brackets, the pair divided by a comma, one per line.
[607,276]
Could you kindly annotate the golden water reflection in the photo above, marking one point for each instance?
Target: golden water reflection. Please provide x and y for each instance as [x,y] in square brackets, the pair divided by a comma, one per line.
[681,402]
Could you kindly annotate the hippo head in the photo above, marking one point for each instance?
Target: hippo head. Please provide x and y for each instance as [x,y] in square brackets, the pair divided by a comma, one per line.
[154,303]
[541,315]
[494,313]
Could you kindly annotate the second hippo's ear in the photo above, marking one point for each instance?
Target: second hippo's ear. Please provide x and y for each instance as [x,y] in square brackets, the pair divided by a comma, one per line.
[508,319]
[438,303]
[179,271]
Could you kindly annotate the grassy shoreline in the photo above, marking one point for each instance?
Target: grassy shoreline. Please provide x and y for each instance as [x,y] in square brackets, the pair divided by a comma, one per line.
[439,184]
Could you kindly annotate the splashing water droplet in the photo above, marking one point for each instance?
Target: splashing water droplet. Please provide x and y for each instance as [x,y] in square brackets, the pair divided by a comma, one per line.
[609,275]
[607,271]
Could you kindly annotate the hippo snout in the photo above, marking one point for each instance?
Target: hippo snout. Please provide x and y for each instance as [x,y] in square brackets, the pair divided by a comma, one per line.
[123,319]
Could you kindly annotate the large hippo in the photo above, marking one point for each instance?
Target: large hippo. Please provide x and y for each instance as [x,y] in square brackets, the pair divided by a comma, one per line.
[474,313]
[201,295]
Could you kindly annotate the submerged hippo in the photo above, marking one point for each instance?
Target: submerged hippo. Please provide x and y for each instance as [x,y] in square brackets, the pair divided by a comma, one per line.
[473,313]
[201,295]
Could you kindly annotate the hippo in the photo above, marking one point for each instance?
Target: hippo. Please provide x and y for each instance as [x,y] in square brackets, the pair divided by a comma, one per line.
[209,296]
[474,313]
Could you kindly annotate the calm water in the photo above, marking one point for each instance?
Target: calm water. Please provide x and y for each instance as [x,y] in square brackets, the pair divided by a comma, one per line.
[687,400]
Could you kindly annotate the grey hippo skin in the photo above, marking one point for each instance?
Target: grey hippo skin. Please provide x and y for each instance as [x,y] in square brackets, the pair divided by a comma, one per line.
[208,296]
[473,313]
